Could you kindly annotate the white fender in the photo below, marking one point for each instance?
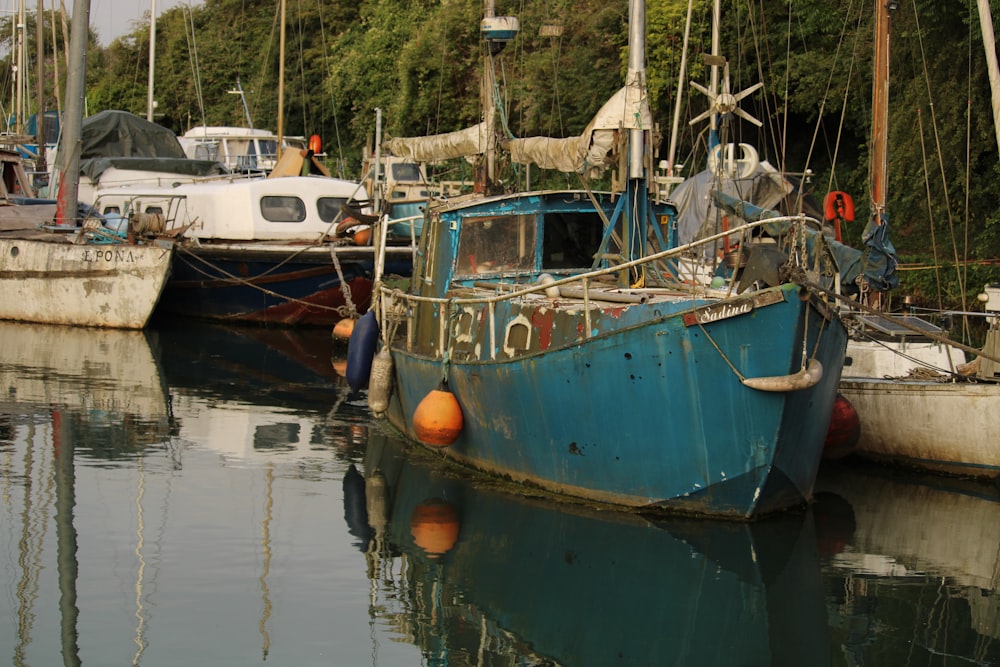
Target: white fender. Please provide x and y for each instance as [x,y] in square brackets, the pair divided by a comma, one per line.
[805,378]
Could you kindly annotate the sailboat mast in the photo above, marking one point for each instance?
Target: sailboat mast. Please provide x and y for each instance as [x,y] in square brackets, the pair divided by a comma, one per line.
[880,112]
[990,44]
[281,83]
[19,78]
[40,165]
[636,82]
[489,113]
[152,60]
[69,154]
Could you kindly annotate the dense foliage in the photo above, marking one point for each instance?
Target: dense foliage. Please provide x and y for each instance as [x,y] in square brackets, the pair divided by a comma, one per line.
[419,61]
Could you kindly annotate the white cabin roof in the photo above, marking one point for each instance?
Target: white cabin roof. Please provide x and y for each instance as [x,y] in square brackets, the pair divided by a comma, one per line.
[294,208]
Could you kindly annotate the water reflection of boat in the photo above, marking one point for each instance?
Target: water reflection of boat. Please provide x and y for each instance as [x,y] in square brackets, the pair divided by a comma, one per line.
[100,379]
[501,577]
[921,568]
[252,391]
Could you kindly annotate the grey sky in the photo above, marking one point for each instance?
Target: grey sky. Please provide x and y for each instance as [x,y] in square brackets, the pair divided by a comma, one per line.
[112,18]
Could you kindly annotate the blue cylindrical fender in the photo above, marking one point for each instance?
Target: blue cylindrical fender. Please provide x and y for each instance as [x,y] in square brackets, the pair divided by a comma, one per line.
[361,351]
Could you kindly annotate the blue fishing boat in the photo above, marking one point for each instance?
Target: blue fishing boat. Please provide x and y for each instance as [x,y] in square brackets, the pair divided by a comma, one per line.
[548,339]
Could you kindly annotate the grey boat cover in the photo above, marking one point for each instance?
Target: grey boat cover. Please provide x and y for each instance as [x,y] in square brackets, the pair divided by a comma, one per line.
[126,141]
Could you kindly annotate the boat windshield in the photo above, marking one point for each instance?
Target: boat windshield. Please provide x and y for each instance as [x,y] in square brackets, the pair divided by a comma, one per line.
[497,244]
[330,207]
[406,172]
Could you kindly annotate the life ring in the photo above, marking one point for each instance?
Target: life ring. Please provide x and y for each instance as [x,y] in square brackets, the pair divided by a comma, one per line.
[838,204]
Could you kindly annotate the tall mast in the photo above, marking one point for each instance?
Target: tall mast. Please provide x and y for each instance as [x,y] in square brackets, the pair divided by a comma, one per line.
[152,60]
[880,111]
[675,128]
[990,44]
[69,154]
[636,82]
[489,113]
[496,32]
[40,89]
[281,83]
[20,80]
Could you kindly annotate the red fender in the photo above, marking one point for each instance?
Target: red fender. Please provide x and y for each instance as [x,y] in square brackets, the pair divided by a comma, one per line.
[315,144]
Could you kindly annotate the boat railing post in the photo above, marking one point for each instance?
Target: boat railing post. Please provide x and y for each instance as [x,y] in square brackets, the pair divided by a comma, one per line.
[586,306]
[493,330]
[443,317]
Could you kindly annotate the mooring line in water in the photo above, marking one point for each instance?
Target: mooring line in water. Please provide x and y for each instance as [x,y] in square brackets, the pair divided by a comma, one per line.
[348,310]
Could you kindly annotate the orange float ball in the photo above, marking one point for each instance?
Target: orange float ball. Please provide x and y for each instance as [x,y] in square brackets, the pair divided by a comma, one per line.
[434,526]
[438,420]
[363,236]
[343,329]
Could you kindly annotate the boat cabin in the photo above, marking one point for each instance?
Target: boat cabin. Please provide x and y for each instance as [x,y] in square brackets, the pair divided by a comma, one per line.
[519,239]
[295,208]
[240,149]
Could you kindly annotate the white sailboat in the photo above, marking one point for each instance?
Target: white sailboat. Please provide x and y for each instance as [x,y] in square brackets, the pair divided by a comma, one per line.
[917,402]
[68,273]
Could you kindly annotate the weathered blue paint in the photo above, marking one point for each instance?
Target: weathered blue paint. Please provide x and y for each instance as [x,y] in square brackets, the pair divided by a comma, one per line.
[647,411]
[647,415]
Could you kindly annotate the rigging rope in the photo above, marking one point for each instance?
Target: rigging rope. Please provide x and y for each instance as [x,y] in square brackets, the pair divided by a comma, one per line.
[937,141]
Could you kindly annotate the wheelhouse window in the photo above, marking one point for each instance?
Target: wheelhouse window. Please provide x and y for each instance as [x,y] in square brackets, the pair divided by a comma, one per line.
[268,147]
[498,244]
[282,209]
[571,239]
[406,171]
[329,208]
[206,151]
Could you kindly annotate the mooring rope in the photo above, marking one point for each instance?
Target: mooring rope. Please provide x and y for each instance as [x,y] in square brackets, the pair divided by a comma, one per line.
[340,310]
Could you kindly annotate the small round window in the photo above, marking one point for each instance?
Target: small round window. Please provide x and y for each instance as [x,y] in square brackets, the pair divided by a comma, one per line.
[282,209]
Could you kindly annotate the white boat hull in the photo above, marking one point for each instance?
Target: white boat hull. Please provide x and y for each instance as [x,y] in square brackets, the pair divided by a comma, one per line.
[113,286]
[943,426]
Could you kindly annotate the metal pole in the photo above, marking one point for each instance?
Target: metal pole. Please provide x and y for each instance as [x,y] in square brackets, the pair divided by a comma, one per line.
[69,154]
[152,60]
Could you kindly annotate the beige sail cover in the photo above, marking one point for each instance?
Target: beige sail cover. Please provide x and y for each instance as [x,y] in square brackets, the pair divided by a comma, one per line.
[461,143]
[627,109]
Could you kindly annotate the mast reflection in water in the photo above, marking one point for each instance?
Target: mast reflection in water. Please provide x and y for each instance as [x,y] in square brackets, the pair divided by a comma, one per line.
[201,495]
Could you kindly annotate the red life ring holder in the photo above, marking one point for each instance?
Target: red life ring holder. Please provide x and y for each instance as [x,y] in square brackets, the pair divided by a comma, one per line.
[838,204]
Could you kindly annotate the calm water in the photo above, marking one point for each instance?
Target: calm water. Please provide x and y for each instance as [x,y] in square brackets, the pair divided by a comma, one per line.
[204,496]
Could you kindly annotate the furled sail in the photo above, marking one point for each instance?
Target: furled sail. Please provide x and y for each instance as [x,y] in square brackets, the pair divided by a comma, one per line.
[461,143]
[626,110]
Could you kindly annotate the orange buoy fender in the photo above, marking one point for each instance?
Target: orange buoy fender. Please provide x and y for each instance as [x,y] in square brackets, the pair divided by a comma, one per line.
[363,236]
[435,526]
[380,382]
[838,204]
[438,420]
[844,430]
[342,329]
[315,144]
[361,351]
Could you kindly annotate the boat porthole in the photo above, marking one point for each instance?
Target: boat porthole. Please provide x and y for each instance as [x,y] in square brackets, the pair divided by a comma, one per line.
[14,251]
